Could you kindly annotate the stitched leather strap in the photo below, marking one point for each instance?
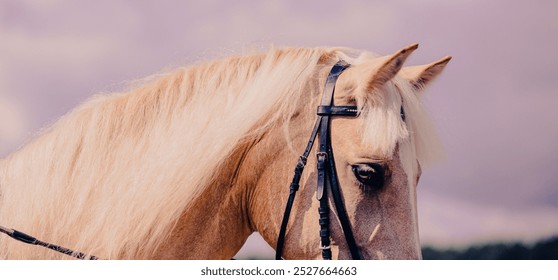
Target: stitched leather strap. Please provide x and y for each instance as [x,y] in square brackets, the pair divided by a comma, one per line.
[295,184]
[321,192]
[340,208]
[327,175]
[349,111]
[25,238]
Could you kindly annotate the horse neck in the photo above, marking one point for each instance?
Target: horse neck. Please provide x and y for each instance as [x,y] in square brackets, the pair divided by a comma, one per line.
[236,203]
[217,223]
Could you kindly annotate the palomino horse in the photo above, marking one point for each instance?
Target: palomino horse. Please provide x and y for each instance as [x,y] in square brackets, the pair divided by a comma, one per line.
[189,164]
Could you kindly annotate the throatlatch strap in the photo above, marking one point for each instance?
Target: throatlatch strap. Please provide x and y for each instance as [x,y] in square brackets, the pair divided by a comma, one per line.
[295,184]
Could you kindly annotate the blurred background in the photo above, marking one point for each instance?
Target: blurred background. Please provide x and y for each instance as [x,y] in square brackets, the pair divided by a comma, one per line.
[495,105]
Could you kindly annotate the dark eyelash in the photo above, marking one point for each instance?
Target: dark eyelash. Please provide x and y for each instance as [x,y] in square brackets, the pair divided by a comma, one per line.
[363,187]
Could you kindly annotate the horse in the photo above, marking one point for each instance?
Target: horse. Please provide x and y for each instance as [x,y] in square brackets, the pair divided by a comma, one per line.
[189,163]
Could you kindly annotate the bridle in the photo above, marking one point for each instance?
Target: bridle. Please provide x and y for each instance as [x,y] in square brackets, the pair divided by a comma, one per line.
[326,171]
[327,174]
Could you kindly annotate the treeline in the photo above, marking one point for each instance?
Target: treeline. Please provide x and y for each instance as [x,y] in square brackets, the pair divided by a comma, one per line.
[543,250]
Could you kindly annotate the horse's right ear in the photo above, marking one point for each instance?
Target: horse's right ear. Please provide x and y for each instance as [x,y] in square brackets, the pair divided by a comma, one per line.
[421,76]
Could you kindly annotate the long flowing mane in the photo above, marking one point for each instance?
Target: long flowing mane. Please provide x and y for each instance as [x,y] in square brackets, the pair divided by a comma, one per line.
[112,177]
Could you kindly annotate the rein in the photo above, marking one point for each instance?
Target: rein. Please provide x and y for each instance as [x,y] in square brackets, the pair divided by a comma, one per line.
[20,236]
[327,173]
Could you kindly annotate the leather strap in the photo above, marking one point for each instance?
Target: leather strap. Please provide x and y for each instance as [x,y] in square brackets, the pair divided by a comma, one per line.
[327,173]
[321,192]
[20,236]
[295,184]
[340,208]
[349,111]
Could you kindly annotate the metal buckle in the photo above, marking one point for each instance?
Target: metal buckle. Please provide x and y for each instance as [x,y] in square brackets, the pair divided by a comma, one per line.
[322,154]
[325,247]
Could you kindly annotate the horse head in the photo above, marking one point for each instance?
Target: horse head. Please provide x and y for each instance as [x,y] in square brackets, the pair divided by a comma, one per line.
[377,156]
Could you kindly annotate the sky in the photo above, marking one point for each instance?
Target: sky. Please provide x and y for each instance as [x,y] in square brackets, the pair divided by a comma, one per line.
[494,105]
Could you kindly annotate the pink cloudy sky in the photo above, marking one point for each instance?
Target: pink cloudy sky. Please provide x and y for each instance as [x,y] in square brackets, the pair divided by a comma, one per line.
[495,106]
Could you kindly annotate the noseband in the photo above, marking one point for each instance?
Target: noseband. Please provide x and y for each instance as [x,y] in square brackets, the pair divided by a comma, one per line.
[326,171]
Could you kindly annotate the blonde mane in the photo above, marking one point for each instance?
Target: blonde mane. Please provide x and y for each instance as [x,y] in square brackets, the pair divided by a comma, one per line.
[112,177]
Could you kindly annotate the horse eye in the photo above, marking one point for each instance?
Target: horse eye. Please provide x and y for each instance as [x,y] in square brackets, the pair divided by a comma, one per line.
[371,176]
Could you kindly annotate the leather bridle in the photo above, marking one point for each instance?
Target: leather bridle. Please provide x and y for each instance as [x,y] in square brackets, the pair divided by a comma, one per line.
[326,171]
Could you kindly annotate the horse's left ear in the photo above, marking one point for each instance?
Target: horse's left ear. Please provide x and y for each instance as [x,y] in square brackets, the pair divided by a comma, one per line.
[421,76]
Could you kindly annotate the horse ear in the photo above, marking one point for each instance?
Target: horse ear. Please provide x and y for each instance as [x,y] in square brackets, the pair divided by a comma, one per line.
[421,76]
[389,67]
